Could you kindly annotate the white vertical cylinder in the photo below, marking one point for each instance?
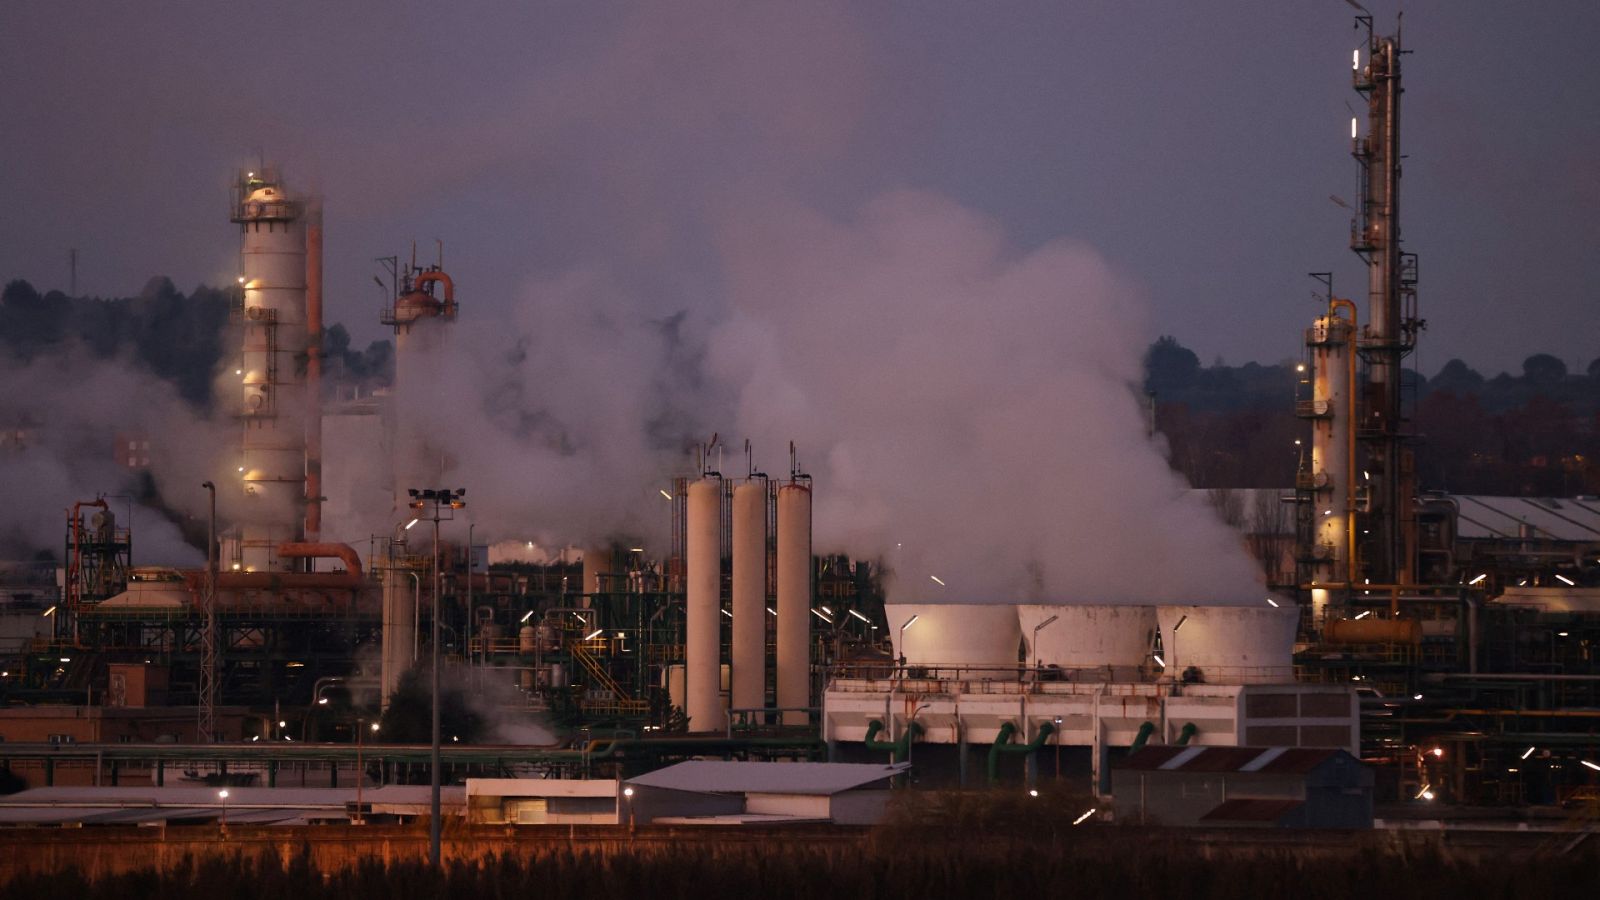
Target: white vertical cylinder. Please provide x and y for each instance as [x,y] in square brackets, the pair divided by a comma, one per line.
[749,690]
[703,577]
[272,379]
[399,628]
[1330,451]
[794,599]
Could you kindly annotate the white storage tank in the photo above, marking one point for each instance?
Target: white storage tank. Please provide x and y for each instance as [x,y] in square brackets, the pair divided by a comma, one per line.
[1088,636]
[949,635]
[1230,644]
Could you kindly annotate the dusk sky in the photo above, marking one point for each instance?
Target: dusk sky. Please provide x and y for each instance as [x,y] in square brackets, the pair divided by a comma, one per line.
[1195,146]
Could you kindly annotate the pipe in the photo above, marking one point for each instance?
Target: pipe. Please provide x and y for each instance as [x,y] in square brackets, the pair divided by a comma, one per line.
[1002,744]
[1188,731]
[901,748]
[449,288]
[1142,737]
[307,550]
[313,526]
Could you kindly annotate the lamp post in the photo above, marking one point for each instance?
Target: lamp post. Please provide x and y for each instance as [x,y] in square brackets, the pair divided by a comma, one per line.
[1175,671]
[627,796]
[437,500]
[1036,629]
[223,796]
[361,772]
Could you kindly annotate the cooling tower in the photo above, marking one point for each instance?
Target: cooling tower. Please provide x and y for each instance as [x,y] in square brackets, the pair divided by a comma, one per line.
[1088,636]
[950,635]
[1230,644]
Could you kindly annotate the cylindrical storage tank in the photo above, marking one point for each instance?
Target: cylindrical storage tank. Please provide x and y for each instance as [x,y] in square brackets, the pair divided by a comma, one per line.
[398,636]
[749,689]
[982,637]
[599,567]
[527,640]
[1229,644]
[1109,637]
[703,617]
[794,600]
[272,461]
[674,680]
[558,676]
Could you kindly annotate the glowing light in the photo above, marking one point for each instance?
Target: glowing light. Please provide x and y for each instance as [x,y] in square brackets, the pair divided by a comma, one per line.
[665,494]
[1273,603]
[1594,766]
[599,631]
[1159,661]
[937,580]
[1528,752]
[283,724]
[1355,59]
[1352,128]
[728,614]
[50,612]
[1437,752]
[1566,581]
[1416,696]
[1085,817]
[860,616]
[1561,634]
[818,614]
[636,550]
[771,610]
[1363,614]
[375,727]
[911,621]
[223,794]
[322,701]
[411,523]
[241,279]
[1425,794]
[1299,367]
[627,792]
[1032,793]
[236,567]
[1479,579]
[66,659]
[241,468]
[1327,512]
[526,616]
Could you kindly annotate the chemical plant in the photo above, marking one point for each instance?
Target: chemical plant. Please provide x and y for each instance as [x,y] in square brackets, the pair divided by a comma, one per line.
[1449,642]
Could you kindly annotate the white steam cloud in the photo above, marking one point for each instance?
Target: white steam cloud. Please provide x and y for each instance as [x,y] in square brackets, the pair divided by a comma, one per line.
[968,410]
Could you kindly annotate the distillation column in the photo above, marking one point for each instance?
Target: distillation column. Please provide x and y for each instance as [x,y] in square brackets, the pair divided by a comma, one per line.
[703,617]
[426,301]
[1331,433]
[1390,332]
[794,598]
[399,638]
[749,673]
[272,464]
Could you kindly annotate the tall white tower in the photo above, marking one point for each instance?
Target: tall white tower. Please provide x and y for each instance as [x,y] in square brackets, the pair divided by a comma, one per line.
[272,462]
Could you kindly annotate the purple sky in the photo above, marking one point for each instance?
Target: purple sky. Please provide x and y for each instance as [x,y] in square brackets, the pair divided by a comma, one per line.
[1195,149]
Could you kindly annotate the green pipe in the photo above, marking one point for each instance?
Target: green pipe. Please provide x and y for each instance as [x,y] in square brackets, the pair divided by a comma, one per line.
[1145,731]
[1189,731]
[1002,744]
[901,748]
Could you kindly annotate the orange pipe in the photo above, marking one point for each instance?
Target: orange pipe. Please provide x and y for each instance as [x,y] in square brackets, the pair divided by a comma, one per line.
[352,560]
[442,278]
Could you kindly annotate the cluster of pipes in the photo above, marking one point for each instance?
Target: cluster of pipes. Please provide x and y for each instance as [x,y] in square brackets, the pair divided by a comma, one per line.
[750,500]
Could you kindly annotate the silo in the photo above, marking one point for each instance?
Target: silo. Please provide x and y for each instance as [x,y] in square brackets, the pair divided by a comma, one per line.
[599,569]
[1109,637]
[794,599]
[1229,644]
[983,637]
[749,687]
[703,624]
[272,276]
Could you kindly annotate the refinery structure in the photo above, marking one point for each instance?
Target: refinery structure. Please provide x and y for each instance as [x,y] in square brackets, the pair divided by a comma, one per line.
[1447,641]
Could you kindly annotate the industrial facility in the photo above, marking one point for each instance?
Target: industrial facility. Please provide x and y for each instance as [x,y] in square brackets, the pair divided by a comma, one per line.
[1446,642]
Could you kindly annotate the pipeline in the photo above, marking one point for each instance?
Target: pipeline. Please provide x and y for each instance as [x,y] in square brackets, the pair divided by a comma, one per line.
[1002,744]
[344,552]
[1142,737]
[313,422]
[1188,731]
[901,748]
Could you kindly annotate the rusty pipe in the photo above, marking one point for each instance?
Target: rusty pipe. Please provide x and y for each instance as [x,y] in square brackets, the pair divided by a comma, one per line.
[344,552]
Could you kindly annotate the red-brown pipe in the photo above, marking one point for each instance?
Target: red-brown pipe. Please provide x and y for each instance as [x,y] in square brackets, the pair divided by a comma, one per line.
[313,527]
[352,560]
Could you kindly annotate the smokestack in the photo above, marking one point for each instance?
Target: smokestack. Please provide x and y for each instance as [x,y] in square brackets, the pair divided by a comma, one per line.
[272,275]
[749,688]
[794,594]
[702,643]
[399,622]
[314,370]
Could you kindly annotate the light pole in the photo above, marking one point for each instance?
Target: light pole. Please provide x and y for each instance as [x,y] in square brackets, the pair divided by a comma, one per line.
[438,499]
[627,795]
[223,796]
[1175,672]
[470,611]
[1036,629]
[208,639]
[361,773]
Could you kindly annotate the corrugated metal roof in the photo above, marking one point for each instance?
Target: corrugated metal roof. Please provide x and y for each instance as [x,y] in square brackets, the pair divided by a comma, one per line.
[1263,810]
[1272,760]
[719,777]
